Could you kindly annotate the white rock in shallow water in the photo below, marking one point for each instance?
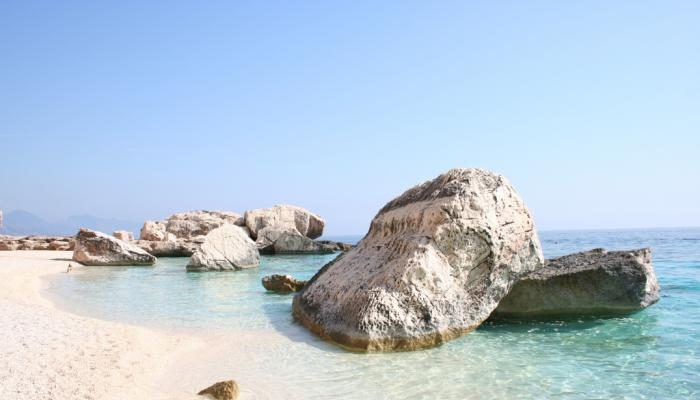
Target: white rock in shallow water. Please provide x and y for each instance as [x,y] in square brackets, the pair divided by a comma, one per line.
[590,282]
[434,264]
[282,218]
[97,248]
[225,248]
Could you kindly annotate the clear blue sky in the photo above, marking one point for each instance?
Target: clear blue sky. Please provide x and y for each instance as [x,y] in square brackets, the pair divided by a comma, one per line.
[137,110]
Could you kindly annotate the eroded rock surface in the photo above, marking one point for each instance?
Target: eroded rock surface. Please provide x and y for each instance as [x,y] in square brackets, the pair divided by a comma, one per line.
[434,264]
[283,218]
[97,248]
[225,248]
[590,282]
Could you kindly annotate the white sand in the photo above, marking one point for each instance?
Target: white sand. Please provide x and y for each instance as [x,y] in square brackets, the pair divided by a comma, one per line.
[46,353]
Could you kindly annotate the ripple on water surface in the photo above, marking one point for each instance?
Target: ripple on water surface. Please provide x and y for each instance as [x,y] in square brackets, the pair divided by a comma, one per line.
[652,354]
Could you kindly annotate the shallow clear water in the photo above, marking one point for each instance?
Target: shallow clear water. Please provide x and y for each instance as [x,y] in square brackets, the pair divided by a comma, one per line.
[653,354]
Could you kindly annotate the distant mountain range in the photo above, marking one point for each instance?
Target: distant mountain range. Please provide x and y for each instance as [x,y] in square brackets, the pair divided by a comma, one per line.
[20,222]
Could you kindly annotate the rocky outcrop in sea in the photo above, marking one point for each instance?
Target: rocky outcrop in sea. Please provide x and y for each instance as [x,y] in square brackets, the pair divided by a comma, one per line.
[434,265]
[593,282]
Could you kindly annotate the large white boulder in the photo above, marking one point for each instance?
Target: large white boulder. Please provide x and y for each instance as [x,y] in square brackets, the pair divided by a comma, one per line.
[97,248]
[435,263]
[225,248]
[283,218]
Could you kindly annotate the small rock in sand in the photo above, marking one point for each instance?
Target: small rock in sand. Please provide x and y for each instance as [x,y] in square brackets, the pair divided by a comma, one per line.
[225,390]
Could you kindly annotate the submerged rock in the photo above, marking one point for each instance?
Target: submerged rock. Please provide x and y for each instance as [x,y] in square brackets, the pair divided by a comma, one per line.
[282,283]
[590,282]
[284,218]
[434,265]
[225,248]
[226,390]
[97,248]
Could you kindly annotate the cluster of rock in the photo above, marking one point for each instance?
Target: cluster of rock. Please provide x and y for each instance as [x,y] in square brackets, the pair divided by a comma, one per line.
[61,243]
[437,261]
[215,240]
[227,247]
[442,257]
[181,234]
[281,229]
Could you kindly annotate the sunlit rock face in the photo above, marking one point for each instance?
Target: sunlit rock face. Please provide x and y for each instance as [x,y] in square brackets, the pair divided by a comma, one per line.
[97,248]
[435,263]
[284,217]
[227,247]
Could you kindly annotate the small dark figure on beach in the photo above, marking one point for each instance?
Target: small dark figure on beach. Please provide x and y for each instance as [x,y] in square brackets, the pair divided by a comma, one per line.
[70,267]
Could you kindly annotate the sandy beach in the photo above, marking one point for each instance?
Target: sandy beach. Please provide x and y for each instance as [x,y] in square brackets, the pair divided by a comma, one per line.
[47,353]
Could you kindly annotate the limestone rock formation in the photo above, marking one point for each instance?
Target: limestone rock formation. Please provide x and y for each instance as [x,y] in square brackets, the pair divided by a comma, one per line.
[188,225]
[284,217]
[97,248]
[169,248]
[182,233]
[123,235]
[153,231]
[226,390]
[225,248]
[61,243]
[337,246]
[435,263]
[289,241]
[272,240]
[590,282]
[282,283]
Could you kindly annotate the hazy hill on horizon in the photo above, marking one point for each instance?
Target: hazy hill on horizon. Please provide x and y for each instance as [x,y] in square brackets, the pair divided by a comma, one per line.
[22,222]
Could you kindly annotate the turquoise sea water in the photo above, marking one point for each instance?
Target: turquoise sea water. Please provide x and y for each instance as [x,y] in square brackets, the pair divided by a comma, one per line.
[653,354]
